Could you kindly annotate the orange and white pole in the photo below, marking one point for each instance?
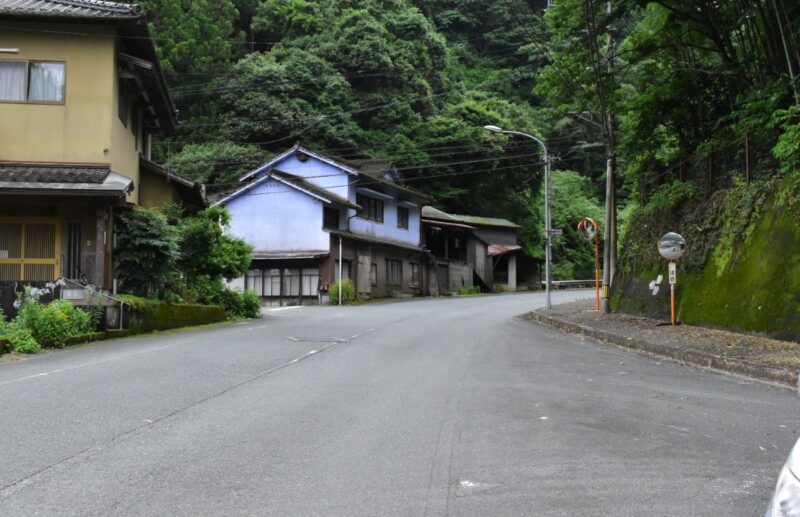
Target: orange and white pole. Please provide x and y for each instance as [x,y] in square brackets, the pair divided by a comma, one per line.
[673,279]
[597,271]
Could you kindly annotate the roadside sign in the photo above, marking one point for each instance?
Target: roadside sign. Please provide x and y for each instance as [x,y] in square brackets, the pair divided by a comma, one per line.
[673,273]
[557,231]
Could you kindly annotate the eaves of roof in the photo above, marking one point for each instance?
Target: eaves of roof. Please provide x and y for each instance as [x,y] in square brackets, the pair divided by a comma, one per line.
[294,182]
[374,240]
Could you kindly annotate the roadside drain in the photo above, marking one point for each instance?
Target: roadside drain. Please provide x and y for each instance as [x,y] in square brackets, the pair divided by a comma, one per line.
[317,339]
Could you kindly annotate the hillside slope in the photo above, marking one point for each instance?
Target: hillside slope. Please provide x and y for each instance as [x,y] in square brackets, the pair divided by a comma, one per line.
[742,269]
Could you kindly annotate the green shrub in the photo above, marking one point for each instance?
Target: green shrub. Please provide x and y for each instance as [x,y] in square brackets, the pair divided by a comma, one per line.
[51,324]
[251,304]
[348,292]
[473,289]
[21,339]
[96,314]
[240,305]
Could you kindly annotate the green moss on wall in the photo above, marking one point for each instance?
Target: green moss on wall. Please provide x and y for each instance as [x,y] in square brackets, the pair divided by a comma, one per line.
[749,279]
[145,315]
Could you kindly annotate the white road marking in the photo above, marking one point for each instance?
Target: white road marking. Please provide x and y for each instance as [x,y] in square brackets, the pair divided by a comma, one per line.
[284,308]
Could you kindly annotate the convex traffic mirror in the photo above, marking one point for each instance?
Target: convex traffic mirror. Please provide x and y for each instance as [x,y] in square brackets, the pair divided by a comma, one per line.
[671,246]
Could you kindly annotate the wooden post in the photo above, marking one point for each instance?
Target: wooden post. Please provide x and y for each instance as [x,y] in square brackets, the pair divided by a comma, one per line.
[597,270]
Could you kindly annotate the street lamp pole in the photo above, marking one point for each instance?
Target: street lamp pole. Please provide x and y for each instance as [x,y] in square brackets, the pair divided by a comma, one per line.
[548,233]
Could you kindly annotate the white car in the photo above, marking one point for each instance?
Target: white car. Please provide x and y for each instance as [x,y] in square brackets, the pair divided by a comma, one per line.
[785,502]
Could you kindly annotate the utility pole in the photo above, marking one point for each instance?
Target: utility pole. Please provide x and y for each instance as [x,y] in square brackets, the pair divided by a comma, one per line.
[609,123]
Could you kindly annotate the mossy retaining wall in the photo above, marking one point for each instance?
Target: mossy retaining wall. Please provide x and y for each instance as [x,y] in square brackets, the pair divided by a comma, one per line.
[149,316]
[746,270]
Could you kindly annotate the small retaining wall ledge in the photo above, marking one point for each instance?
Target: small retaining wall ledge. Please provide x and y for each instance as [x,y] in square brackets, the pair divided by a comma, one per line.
[683,355]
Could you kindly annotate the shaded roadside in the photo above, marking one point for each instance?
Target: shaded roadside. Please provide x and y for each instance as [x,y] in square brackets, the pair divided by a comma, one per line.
[754,356]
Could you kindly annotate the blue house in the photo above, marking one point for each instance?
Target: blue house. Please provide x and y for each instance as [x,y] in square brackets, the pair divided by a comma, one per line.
[304,211]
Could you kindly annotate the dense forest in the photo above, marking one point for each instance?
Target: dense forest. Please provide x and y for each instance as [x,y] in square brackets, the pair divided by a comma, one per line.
[669,96]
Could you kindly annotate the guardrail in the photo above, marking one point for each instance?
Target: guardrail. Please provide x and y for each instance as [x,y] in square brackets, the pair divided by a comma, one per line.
[571,284]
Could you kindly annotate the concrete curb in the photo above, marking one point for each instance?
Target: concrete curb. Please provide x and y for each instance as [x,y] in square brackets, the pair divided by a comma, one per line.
[757,371]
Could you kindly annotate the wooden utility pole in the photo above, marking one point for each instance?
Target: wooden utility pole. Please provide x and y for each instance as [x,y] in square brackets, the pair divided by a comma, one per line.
[610,229]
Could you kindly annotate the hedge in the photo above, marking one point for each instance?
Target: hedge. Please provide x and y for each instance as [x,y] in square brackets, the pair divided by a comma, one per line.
[145,315]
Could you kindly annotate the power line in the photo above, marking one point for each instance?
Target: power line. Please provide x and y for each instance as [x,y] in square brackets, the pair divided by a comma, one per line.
[377,182]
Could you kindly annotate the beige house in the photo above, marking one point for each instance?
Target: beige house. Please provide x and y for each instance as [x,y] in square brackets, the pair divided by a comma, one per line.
[81,94]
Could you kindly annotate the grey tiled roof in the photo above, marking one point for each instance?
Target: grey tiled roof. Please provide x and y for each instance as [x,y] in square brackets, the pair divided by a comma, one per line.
[85,9]
[23,173]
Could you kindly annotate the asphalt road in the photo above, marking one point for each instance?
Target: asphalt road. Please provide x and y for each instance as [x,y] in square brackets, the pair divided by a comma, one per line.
[433,407]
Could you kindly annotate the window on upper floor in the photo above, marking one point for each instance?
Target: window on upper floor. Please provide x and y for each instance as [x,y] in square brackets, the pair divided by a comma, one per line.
[402,217]
[32,82]
[371,208]
[330,218]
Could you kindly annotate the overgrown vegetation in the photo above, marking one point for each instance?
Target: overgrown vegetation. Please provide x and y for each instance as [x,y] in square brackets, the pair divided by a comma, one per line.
[348,292]
[166,256]
[470,290]
[41,324]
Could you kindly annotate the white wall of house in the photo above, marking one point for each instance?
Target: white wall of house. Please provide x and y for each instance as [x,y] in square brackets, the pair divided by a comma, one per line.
[275,217]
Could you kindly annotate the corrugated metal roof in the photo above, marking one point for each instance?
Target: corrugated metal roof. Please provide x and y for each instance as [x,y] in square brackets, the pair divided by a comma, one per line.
[501,249]
[432,213]
[85,9]
[449,224]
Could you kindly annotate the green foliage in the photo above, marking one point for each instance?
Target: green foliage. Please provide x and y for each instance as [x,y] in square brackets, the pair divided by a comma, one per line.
[147,314]
[465,291]
[348,292]
[787,150]
[217,164]
[188,259]
[52,324]
[574,197]
[205,251]
[21,339]
[146,253]
[750,277]
[240,305]
[413,81]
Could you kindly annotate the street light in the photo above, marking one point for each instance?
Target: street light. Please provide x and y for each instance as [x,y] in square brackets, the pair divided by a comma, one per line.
[548,233]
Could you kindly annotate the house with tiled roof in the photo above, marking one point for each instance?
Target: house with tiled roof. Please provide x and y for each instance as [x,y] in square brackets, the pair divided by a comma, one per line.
[81,96]
[472,250]
[313,218]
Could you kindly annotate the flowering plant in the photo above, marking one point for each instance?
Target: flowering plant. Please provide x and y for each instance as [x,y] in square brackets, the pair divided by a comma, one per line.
[33,294]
